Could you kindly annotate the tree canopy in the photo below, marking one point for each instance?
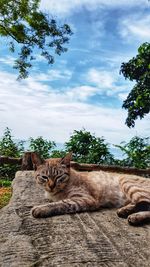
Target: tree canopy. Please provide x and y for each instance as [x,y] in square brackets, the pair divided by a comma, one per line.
[41,146]
[138,70]
[137,152]
[8,147]
[87,148]
[28,29]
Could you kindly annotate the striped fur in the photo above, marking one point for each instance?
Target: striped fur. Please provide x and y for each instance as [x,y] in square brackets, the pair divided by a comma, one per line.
[71,191]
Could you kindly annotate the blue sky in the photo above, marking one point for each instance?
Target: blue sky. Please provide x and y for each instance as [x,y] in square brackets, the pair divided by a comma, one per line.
[83,88]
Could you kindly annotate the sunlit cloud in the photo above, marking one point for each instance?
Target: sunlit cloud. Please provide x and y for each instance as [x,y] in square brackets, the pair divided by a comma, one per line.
[136,27]
[65,7]
[122,96]
[81,93]
[101,78]
[108,82]
[53,75]
[7,60]
[31,108]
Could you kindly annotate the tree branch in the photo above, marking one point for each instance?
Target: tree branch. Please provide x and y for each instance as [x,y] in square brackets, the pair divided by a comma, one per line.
[14,38]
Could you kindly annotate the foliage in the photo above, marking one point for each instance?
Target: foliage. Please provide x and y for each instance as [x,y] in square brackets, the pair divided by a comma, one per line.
[87,148]
[138,70]
[10,149]
[42,146]
[137,151]
[5,195]
[30,29]
[5,183]
[58,154]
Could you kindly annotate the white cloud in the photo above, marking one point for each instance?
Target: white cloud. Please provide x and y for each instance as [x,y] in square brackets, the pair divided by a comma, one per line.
[135,28]
[81,93]
[50,75]
[30,108]
[101,78]
[122,96]
[53,75]
[67,7]
[8,60]
[115,59]
[108,82]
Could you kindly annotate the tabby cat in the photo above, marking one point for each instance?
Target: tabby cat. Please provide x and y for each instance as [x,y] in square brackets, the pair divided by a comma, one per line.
[71,191]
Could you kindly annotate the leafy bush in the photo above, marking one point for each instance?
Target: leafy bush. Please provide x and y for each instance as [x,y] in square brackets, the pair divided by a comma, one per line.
[137,151]
[10,149]
[5,195]
[42,146]
[58,153]
[87,148]
[5,183]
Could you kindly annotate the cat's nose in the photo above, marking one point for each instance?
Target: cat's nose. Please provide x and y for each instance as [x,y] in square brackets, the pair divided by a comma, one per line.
[51,184]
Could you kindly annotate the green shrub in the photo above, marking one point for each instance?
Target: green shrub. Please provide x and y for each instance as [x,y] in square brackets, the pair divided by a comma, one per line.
[137,152]
[58,153]
[5,196]
[5,183]
[42,146]
[87,148]
[10,149]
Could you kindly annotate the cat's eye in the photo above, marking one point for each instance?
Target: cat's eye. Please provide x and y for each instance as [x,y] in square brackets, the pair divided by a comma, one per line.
[63,165]
[44,177]
[60,180]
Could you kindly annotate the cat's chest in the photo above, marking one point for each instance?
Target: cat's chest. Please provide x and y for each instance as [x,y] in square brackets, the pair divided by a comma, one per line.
[52,197]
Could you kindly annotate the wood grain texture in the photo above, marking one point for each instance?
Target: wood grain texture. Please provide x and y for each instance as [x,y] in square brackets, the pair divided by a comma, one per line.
[86,239]
[109,168]
[26,164]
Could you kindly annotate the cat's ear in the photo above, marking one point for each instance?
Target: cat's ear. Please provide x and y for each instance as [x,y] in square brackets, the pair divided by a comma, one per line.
[36,160]
[66,160]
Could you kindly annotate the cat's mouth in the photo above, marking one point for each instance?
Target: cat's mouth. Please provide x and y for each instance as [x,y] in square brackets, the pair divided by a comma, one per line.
[50,189]
[54,190]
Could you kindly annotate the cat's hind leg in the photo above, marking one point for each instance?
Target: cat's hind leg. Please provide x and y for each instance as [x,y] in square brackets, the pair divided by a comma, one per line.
[137,214]
[139,218]
[125,211]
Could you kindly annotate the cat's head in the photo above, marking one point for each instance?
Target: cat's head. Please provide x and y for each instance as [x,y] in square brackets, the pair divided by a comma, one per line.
[53,174]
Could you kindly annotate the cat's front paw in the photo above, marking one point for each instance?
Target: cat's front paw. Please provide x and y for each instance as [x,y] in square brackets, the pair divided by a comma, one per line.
[37,212]
[122,213]
[133,219]
[137,218]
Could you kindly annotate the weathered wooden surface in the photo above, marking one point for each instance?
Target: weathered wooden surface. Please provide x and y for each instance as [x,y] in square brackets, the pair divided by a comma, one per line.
[26,164]
[86,239]
[9,160]
[109,168]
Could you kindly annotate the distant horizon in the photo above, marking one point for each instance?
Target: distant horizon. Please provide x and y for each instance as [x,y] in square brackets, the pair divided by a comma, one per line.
[61,146]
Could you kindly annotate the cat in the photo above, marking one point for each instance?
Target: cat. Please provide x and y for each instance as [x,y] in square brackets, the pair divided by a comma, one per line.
[72,191]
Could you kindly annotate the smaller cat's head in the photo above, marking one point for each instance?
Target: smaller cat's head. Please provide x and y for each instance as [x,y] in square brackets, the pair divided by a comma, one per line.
[53,174]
